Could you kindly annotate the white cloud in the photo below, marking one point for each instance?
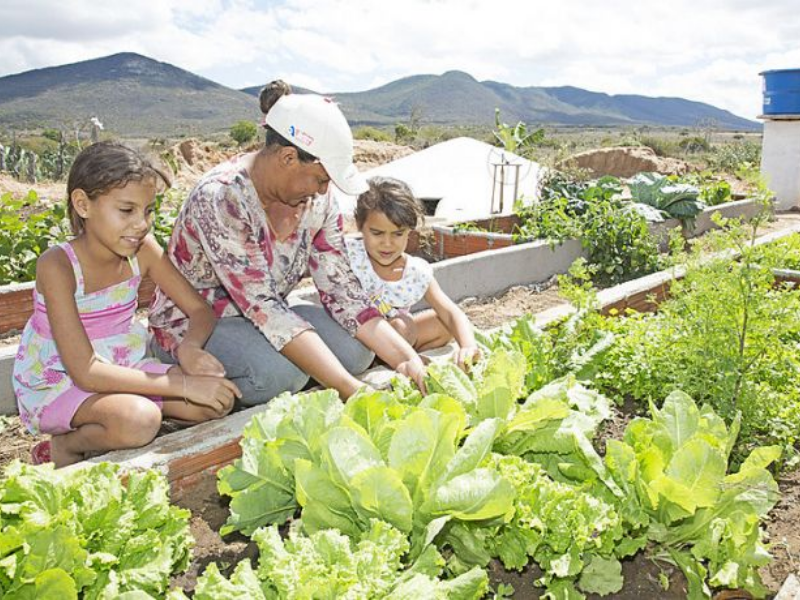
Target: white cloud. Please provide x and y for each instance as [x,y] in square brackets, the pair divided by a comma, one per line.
[706,50]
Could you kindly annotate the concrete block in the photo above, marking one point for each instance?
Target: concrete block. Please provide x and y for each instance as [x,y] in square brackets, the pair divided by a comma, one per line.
[730,210]
[494,271]
[8,403]
[790,590]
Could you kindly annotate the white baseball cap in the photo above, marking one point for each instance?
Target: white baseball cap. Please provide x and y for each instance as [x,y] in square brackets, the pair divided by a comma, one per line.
[316,125]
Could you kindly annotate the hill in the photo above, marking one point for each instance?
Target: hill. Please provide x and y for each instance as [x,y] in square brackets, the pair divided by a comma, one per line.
[458,98]
[132,95]
[135,96]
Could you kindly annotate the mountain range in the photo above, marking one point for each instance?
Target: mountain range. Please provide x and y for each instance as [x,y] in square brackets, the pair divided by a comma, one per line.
[136,96]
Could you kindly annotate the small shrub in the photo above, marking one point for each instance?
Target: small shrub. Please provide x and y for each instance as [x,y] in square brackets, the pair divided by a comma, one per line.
[372,133]
[52,134]
[243,132]
[661,146]
[403,134]
[734,156]
[618,239]
[694,144]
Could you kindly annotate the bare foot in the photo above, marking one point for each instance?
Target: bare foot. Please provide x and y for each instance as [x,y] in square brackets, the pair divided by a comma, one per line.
[60,455]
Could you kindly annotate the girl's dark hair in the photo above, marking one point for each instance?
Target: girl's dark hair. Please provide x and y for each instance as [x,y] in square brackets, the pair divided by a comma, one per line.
[104,166]
[269,95]
[393,198]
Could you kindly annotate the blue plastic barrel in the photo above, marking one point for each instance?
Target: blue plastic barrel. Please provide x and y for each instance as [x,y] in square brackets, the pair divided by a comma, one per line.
[782,92]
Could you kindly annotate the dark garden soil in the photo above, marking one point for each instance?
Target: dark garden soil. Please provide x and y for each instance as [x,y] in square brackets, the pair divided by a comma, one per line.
[209,513]
[644,580]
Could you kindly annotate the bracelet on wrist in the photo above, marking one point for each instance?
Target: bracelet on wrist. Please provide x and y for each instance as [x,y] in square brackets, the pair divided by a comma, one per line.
[185,399]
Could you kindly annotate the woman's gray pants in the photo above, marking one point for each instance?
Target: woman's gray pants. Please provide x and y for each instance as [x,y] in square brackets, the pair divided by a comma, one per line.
[260,371]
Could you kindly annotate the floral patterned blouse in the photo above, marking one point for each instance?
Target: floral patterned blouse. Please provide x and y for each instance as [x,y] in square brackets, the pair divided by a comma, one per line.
[223,245]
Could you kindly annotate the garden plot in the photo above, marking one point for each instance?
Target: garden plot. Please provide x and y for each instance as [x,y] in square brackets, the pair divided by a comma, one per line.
[191,466]
[643,578]
[459,239]
[193,480]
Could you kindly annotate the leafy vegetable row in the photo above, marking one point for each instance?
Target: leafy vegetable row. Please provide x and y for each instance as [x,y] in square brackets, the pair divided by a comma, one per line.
[86,533]
[474,472]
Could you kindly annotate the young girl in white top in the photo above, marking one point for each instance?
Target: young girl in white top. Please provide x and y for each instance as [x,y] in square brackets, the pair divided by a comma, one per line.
[385,215]
[81,373]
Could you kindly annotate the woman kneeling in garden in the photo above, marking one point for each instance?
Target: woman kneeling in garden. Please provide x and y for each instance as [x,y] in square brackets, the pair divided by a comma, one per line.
[247,234]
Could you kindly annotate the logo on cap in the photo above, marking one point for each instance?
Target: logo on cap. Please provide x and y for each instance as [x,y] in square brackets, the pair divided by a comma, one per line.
[301,136]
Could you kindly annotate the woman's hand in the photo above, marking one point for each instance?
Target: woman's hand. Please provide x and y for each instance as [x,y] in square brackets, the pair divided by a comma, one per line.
[414,369]
[467,356]
[215,393]
[193,360]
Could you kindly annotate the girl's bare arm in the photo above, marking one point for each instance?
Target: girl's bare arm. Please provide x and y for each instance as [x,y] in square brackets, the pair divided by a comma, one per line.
[56,282]
[455,321]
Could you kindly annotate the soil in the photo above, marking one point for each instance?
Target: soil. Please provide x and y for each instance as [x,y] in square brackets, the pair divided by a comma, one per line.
[486,313]
[49,191]
[783,533]
[15,440]
[642,578]
[209,513]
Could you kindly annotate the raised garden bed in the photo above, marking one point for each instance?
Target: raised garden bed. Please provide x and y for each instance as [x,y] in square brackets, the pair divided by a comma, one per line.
[16,303]
[469,237]
[191,458]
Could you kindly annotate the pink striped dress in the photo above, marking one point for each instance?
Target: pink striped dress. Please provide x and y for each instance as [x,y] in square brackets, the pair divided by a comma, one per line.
[46,395]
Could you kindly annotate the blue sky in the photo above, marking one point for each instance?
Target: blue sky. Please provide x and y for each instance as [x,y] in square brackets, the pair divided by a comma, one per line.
[705,50]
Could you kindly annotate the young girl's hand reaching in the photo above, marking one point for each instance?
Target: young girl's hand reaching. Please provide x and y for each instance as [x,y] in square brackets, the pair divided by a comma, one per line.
[415,370]
[466,356]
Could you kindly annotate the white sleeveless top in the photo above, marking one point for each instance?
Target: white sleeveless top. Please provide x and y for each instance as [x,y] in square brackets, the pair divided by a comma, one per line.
[390,297]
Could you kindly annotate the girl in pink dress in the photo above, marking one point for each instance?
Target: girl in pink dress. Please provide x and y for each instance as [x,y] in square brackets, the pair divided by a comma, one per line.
[81,373]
